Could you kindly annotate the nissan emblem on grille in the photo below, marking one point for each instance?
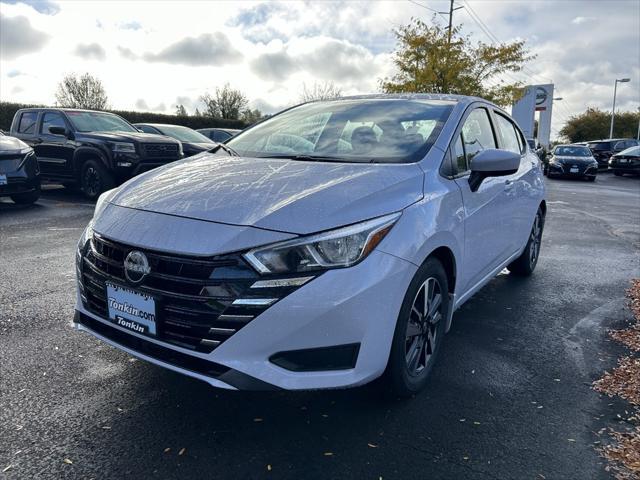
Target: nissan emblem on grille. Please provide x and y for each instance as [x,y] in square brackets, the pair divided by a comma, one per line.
[136,266]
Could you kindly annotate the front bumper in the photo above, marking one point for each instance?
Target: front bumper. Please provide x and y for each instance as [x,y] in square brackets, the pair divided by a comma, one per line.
[24,178]
[557,169]
[352,306]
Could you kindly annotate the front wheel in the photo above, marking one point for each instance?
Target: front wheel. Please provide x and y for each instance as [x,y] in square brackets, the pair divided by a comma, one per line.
[95,179]
[419,330]
[526,263]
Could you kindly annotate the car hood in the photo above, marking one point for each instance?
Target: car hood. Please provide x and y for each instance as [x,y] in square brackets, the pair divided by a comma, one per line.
[284,195]
[137,137]
[11,145]
[198,146]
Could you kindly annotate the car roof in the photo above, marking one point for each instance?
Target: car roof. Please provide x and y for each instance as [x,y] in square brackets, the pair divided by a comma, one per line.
[463,99]
[611,140]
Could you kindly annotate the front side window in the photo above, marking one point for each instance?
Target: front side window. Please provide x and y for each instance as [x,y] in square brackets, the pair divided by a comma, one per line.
[51,119]
[28,122]
[508,134]
[99,122]
[459,158]
[477,133]
[363,130]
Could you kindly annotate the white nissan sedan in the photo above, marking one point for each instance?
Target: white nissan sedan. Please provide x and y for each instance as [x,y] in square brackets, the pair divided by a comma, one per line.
[324,247]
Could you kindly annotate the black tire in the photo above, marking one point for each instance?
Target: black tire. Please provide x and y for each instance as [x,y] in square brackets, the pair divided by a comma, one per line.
[417,340]
[618,174]
[591,179]
[95,179]
[526,263]
[26,198]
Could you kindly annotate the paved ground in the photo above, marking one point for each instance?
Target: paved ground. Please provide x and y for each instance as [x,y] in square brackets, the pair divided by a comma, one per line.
[510,397]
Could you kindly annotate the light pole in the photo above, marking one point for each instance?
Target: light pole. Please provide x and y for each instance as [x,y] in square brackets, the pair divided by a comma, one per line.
[613,110]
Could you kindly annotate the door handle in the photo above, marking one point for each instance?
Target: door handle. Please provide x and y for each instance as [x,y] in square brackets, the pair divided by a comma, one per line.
[508,184]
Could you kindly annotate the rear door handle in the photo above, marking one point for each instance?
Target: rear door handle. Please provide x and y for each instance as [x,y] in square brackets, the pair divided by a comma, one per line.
[508,184]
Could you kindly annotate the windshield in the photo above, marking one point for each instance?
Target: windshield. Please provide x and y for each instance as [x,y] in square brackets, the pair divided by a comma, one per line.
[572,151]
[370,130]
[99,122]
[184,134]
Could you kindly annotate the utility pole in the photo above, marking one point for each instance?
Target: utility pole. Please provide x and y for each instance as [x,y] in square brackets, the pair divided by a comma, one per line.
[450,13]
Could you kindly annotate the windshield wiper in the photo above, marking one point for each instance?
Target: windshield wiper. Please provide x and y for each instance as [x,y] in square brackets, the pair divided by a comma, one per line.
[226,148]
[319,158]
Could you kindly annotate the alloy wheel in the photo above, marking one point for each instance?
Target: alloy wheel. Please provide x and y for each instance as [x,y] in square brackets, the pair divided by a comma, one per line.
[92,181]
[422,327]
[535,240]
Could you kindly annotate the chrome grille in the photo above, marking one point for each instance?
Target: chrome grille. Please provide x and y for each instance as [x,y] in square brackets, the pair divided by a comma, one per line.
[160,150]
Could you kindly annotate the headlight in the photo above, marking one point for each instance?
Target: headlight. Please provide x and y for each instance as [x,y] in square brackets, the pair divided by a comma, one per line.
[333,249]
[123,147]
[86,236]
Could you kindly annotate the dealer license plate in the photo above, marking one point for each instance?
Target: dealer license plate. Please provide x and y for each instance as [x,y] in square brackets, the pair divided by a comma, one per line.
[132,310]
[3,179]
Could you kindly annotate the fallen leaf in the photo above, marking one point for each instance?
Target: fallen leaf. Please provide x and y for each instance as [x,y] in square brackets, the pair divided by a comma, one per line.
[257,420]
[372,445]
[476,423]
[7,468]
[328,454]
[181,452]
[68,461]
[167,450]
[269,468]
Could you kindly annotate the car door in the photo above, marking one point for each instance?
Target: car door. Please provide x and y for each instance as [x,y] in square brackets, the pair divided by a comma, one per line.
[487,216]
[523,187]
[54,152]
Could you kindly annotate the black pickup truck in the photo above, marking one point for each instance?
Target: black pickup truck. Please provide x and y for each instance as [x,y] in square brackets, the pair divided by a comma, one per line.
[94,150]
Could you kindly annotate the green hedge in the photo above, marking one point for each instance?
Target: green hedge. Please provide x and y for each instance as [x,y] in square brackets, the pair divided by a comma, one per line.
[8,109]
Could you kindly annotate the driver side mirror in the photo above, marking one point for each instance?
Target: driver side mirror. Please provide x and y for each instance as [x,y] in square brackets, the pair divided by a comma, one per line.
[58,130]
[492,163]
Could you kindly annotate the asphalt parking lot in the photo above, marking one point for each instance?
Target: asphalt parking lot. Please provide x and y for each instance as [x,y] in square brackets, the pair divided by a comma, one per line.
[509,398]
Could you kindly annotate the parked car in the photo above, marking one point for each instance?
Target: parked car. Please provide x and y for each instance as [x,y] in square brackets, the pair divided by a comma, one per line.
[95,150]
[193,142]
[603,149]
[572,161]
[537,148]
[317,254]
[219,134]
[627,161]
[19,173]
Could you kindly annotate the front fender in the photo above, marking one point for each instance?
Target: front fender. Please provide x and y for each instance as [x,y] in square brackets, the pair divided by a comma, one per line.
[85,152]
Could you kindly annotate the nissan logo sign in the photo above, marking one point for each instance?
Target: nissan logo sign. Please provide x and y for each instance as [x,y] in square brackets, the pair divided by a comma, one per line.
[136,266]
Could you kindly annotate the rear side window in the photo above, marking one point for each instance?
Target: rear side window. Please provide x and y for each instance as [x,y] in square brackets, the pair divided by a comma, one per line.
[508,134]
[477,133]
[28,122]
[51,119]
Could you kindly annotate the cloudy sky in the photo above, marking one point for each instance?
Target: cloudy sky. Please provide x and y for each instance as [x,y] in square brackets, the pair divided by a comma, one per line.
[154,55]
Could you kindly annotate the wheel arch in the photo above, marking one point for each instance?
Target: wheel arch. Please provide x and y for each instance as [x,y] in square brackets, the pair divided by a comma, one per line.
[447,258]
[83,154]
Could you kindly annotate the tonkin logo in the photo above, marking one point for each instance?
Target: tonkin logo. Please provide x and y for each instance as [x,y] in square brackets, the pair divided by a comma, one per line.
[136,266]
